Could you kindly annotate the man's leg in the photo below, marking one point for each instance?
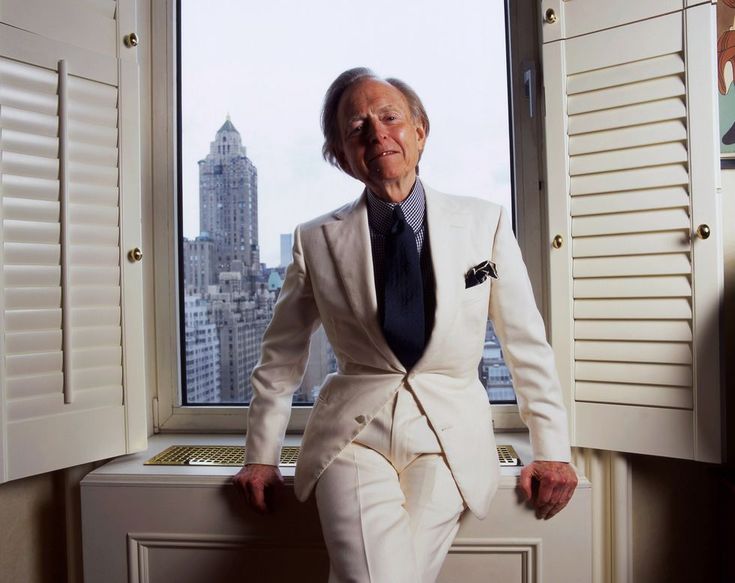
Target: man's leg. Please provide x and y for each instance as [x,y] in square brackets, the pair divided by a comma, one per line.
[435,507]
[365,525]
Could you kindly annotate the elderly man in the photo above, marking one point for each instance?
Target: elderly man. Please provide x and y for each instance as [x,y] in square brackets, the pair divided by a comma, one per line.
[400,443]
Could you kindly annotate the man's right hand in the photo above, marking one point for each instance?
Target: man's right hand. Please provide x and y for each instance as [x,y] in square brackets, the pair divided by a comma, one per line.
[258,482]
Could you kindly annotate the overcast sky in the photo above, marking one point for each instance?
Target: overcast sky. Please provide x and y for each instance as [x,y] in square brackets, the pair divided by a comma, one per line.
[269,63]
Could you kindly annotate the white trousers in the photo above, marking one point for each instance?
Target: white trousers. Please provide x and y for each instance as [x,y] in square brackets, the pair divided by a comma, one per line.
[388,504]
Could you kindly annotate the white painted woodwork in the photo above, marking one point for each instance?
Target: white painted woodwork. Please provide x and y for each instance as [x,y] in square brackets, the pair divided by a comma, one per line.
[578,17]
[188,524]
[71,346]
[632,165]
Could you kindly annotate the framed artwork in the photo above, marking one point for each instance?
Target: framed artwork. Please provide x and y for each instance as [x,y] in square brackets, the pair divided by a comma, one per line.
[725,78]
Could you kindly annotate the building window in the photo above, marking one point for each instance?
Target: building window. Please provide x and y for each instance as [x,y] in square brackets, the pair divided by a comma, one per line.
[249,134]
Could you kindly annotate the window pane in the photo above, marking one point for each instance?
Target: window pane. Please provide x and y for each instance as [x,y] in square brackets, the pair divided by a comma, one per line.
[253,76]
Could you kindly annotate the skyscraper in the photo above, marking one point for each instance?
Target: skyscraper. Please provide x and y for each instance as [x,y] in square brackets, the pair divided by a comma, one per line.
[286,245]
[228,201]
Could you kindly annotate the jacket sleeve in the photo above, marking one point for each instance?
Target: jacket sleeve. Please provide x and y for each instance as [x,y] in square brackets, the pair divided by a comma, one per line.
[522,335]
[284,355]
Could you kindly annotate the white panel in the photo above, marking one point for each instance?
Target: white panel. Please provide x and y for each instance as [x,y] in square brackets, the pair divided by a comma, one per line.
[23,209]
[94,235]
[647,430]
[669,264]
[671,352]
[96,336]
[95,276]
[95,317]
[636,42]
[102,256]
[97,357]
[631,115]
[93,194]
[86,173]
[82,297]
[32,166]
[94,215]
[29,144]
[632,287]
[632,244]
[89,378]
[647,309]
[630,201]
[635,394]
[635,372]
[34,364]
[24,342]
[31,254]
[31,122]
[667,331]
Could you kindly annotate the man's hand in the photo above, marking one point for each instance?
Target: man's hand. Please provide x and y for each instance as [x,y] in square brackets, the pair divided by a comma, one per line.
[257,482]
[556,482]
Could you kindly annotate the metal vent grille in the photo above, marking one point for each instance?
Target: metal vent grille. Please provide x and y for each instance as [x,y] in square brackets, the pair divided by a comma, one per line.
[234,455]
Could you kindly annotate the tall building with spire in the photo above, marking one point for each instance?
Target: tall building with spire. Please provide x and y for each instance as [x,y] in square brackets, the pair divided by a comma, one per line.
[228,202]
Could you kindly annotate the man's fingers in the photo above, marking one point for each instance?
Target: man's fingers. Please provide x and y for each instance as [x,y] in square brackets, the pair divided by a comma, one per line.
[524,483]
[257,496]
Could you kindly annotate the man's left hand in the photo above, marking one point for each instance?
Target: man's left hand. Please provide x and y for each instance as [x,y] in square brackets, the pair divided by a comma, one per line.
[556,482]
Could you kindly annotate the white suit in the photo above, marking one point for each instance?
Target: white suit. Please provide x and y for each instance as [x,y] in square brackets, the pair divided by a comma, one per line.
[331,281]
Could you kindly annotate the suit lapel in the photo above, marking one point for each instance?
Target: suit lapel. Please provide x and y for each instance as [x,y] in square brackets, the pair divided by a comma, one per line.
[446,230]
[348,239]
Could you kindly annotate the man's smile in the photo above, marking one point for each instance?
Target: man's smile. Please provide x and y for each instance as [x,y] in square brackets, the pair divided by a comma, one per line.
[382,155]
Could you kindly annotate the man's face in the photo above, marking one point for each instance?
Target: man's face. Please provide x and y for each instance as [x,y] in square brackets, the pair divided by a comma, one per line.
[381,141]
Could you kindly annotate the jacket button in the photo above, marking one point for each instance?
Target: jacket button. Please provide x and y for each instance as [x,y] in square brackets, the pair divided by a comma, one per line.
[360,418]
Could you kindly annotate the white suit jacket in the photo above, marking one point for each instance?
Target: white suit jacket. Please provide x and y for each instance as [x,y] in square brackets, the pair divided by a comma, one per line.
[331,281]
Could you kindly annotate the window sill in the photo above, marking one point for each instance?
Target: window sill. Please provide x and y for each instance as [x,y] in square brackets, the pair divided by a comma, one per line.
[130,469]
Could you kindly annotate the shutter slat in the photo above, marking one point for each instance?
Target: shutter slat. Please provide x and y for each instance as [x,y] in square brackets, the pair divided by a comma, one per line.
[94,296]
[89,337]
[670,264]
[631,115]
[635,394]
[93,154]
[88,255]
[26,209]
[631,137]
[49,405]
[33,364]
[646,309]
[31,254]
[95,317]
[94,134]
[45,104]
[29,122]
[31,232]
[96,175]
[89,378]
[658,155]
[27,77]
[30,187]
[632,222]
[28,144]
[620,287]
[91,235]
[635,372]
[95,215]
[638,200]
[96,357]
[32,342]
[670,331]
[663,352]
[27,276]
[93,194]
[636,178]
[92,93]
[28,320]
[625,73]
[32,166]
[631,244]
[633,93]
[32,298]
[94,276]
[86,113]
[22,387]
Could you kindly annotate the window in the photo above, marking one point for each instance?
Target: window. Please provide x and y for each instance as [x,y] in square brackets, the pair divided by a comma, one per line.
[460,158]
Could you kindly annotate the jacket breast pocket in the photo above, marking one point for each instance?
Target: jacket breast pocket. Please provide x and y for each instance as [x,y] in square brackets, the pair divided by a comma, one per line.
[477,292]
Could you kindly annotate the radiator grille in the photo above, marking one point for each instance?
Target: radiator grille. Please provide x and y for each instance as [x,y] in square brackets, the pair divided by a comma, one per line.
[234,455]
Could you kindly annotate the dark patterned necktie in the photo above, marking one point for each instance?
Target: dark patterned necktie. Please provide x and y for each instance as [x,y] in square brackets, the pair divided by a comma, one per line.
[403,314]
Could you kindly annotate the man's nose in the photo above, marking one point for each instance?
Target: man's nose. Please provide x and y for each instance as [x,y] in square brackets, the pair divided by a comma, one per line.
[375,132]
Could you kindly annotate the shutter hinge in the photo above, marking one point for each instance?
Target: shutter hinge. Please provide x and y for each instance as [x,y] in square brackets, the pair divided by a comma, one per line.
[156,426]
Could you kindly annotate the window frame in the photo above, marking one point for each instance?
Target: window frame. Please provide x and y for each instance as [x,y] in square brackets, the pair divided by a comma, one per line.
[528,202]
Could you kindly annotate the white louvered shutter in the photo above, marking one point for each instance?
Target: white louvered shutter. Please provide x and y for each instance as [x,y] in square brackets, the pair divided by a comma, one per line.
[71,384]
[632,163]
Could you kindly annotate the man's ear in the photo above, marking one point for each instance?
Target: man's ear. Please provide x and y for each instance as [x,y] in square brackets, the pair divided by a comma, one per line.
[421,137]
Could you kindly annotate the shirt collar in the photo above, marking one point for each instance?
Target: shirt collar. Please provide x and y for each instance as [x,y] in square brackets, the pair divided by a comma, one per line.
[380,212]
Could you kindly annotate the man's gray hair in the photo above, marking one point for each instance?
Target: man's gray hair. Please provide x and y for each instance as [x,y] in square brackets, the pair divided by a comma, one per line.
[330,121]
